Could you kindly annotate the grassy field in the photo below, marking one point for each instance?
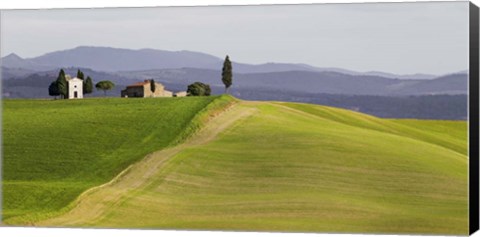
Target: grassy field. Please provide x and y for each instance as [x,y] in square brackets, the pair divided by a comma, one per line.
[55,150]
[294,167]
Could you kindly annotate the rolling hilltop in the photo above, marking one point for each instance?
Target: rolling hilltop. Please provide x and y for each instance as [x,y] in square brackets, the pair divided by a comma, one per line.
[273,166]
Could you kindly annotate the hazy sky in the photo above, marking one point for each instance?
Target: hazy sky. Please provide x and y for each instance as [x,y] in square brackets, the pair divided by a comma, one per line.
[399,38]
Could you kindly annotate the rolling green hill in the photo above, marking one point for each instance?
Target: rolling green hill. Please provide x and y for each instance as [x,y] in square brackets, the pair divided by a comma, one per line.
[55,150]
[293,167]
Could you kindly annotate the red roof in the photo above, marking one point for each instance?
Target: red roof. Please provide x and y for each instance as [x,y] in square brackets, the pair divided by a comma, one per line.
[139,84]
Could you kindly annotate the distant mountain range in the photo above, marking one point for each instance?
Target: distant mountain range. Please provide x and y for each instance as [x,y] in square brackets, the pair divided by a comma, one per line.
[377,93]
[116,59]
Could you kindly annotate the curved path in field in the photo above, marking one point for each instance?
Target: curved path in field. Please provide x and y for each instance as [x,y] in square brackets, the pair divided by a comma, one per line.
[92,204]
[274,166]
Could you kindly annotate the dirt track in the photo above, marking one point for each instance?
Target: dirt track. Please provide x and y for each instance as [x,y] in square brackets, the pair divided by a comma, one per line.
[92,204]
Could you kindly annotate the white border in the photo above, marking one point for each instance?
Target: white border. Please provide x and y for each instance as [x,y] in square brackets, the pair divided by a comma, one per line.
[36,4]
[62,232]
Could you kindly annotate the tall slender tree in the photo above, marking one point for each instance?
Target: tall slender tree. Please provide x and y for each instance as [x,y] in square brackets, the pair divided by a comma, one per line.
[80,74]
[88,85]
[227,73]
[62,84]
[152,87]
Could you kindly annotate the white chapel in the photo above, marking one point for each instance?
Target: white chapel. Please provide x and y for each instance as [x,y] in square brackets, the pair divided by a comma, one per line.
[75,88]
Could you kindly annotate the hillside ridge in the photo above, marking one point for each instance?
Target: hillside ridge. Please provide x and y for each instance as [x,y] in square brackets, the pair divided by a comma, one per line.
[386,126]
[94,207]
[16,184]
[92,204]
[268,165]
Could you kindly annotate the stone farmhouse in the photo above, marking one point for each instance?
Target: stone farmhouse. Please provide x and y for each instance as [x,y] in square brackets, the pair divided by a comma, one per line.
[142,89]
[75,88]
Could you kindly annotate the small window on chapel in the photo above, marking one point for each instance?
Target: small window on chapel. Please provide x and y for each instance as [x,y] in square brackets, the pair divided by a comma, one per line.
[75,86]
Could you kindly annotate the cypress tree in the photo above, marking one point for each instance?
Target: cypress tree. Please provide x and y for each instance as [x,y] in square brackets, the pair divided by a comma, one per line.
[152,86]
[80,74]
[88,85]
[62,84]
[227,73]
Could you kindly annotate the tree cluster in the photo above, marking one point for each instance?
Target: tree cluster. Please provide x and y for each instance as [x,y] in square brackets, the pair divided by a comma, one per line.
[201,89]
[198,89]
[87,83]
[59,87]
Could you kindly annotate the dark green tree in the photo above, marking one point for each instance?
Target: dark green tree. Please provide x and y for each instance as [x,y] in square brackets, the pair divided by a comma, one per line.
[62,84]
[152,86]
[80,74]
[104,86]
[88,85]
[198,89]
[208,91]
[53,89]
[227,73]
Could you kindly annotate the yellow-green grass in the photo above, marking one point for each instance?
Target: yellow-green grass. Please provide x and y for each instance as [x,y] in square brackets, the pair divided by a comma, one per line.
[306,168]
[55,150]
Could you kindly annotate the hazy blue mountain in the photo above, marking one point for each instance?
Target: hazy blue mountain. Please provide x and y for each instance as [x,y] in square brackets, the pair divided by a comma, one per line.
[44,78]
[117,59]
[416,76]
[113,59]
[8,73]
[449,84]
[14,61]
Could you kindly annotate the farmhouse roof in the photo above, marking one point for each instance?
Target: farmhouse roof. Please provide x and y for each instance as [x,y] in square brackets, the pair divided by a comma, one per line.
[139,84]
